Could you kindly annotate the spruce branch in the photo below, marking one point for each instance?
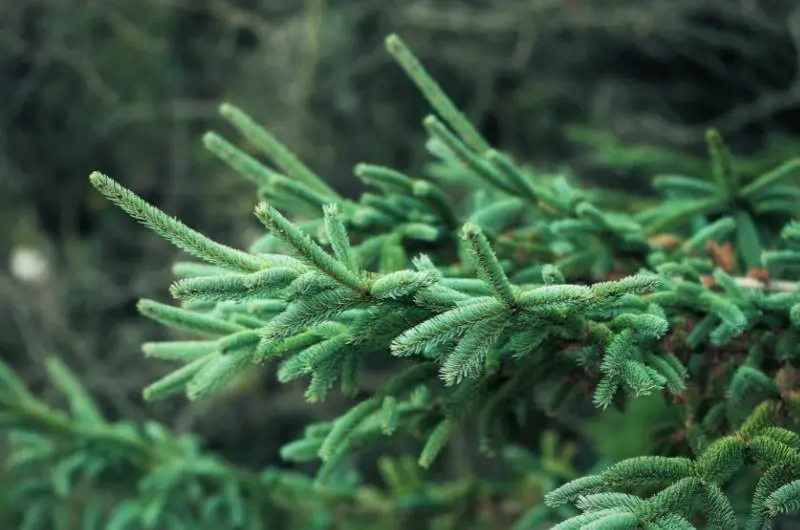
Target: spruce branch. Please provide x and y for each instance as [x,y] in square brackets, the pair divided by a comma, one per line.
[722,168]
[227,287]
[280,155]
[680,185]
[552,299]
[306,248]
[148,462]
[488,267]
[678,213]
[436,441]
[513,175]
[756,440]
[462,152]
[468,358]
[392,181]
[445,325]
[434,94]
[183,350]
[337,235]
[173,230]
[241,162]
[771,178]
[175,382]
[714,231]
[218,371]
[185,320]
[774,286]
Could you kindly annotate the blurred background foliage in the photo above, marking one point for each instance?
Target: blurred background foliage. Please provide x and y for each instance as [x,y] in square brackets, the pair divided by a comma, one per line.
[616,90]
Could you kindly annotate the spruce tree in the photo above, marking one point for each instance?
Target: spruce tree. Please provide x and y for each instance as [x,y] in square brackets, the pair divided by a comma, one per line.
[531,297]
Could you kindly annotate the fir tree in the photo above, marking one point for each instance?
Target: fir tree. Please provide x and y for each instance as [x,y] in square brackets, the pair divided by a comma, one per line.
[529,295]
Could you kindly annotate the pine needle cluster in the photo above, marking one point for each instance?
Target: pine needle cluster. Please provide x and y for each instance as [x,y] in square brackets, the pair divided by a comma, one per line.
[528,295]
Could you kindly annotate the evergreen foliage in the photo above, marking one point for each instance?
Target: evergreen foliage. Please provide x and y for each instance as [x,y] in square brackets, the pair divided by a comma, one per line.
[527,296]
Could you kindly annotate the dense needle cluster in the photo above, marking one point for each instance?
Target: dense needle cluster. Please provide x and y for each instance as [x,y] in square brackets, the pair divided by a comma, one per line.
[530,294]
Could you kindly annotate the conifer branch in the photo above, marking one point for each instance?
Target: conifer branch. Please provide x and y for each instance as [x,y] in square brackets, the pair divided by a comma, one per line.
[549,301]
[173,230]
[488,267]
[280,155]
[306,248]
[435,95]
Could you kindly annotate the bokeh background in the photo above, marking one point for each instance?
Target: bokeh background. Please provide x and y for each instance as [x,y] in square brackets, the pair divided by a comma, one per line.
[128,88]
